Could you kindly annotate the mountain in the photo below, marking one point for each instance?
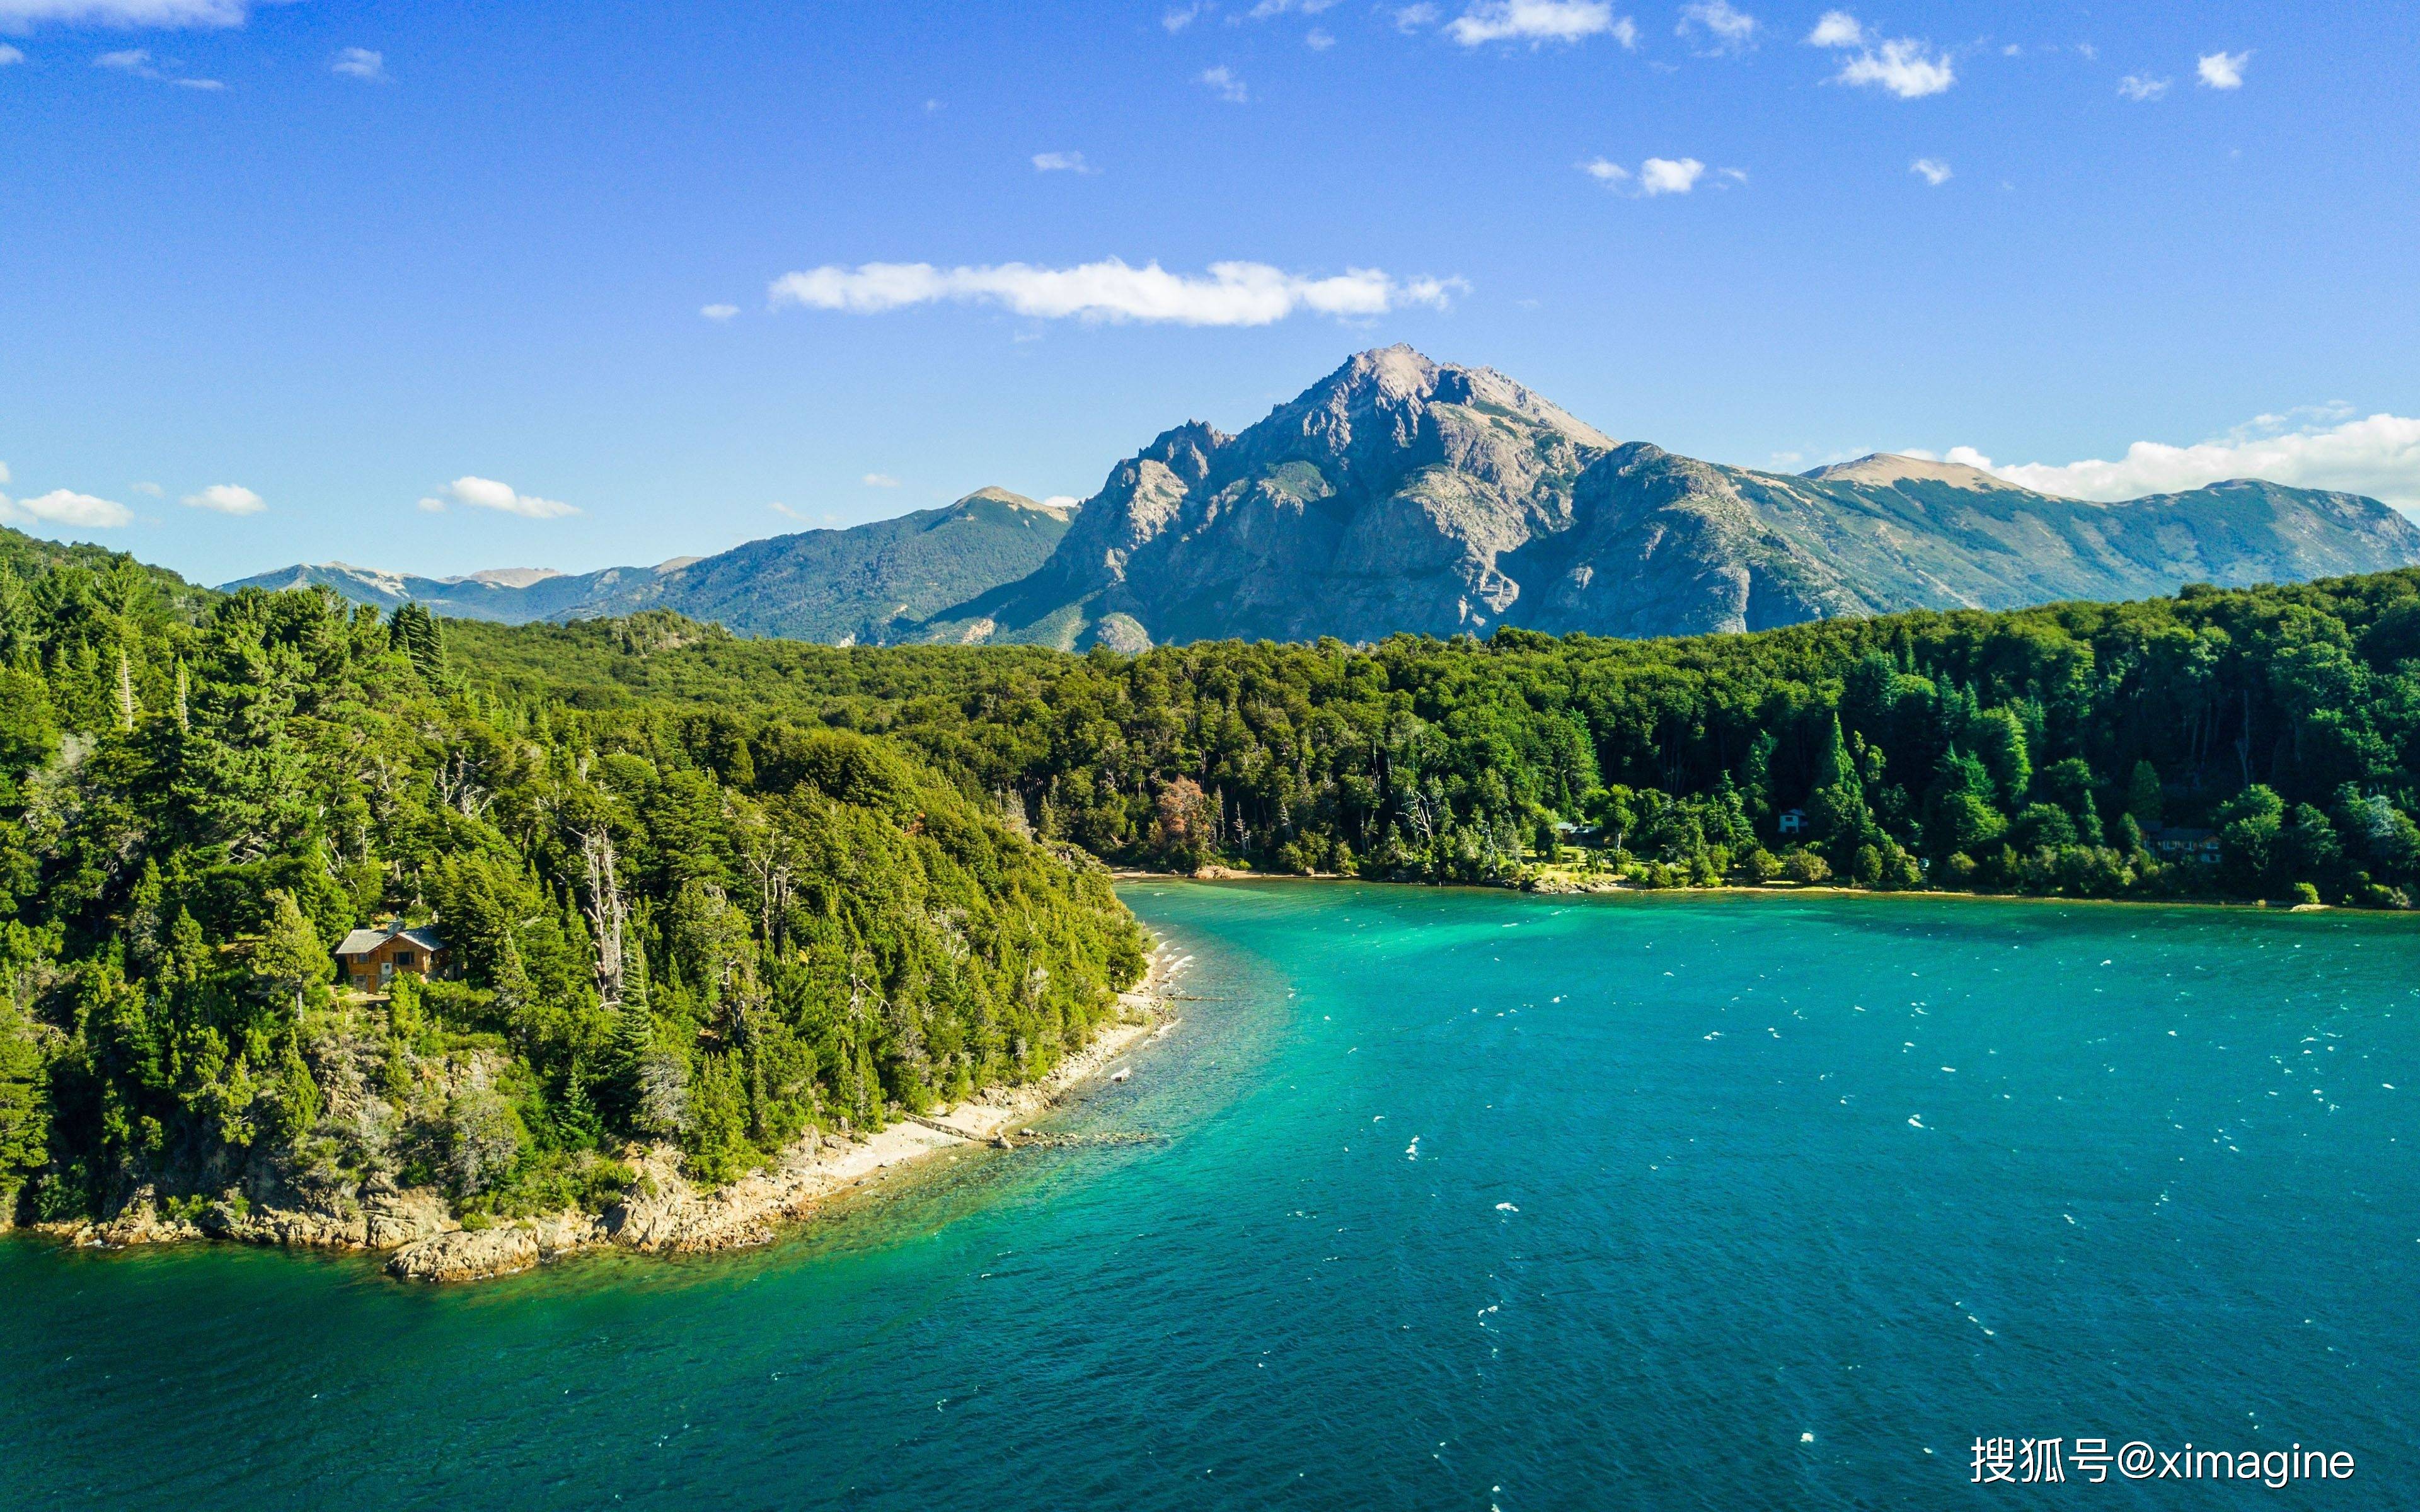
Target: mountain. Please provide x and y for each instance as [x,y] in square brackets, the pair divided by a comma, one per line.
[505,594]
[1402,494]
[850,586]
[841,586]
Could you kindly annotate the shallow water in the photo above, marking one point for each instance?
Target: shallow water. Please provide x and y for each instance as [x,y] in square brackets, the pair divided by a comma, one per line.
[1467,1199]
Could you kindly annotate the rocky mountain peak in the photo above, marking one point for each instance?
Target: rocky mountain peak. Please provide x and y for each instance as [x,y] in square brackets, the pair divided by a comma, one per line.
[511,576]
[1883,469]
[1399,382]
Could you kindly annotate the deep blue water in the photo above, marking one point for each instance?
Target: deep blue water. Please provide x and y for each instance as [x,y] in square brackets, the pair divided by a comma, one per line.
[1467,1199]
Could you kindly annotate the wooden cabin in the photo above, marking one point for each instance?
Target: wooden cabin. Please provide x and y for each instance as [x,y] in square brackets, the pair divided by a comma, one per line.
[369,958]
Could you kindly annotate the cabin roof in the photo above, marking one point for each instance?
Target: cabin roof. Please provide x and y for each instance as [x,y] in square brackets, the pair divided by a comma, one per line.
[363,941]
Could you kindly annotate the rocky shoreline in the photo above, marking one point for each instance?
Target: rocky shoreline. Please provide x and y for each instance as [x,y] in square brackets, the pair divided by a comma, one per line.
[663,1213]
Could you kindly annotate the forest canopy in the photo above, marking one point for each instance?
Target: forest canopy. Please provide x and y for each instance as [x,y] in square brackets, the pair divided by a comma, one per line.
[2246,744]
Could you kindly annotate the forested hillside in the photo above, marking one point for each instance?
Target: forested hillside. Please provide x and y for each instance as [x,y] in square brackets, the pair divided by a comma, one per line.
[664,933]
[2049,749]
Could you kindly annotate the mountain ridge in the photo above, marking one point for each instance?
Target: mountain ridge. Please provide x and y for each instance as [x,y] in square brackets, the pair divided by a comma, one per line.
[1402,494]
[842,585]
[1397,493]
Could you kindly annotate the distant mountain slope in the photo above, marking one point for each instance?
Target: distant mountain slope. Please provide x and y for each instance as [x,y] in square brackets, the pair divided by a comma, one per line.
[1664,545]
[479,596]
[841,586]
[1402,494]
[851,586]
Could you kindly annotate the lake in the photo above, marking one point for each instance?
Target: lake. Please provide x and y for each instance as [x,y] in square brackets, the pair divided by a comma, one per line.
[1461,1199]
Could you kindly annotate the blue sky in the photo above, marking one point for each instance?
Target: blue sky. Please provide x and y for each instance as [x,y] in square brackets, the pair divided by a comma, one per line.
[310,264]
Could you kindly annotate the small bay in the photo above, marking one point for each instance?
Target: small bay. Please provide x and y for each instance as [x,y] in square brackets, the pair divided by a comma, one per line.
[1459,1198]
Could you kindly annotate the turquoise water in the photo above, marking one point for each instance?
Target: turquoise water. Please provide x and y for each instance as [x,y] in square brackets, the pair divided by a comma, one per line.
[1467,1199]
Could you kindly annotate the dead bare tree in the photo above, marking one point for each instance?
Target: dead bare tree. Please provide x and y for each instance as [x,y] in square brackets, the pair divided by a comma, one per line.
[606,914]
[458,786]
[768,859]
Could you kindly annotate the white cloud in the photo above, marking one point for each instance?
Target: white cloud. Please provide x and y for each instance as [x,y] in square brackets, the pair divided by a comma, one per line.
[3,471]
[359,63]
[23,15]
[1177,19]
[2223,71]
[77,511]
[780,508]
[719,312]
[154,489]
[487,493]
[1223,82]
[1670,176]
[1062,500]
[1233,294]
[1727,29]
[1062,162]
[1318,40]
[1656,175]
[228,499]
[879,480]
[1932,170]
[2142,86]
[138,61]
[1541,21]
[1266,8]
[10,54]
[1903,66]
[2379,456]
[1412,16]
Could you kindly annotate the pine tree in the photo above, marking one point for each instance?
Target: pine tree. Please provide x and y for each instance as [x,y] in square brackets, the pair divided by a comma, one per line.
[514,992]
[1836,811]
[415,633]
[2143,800]
[289,960]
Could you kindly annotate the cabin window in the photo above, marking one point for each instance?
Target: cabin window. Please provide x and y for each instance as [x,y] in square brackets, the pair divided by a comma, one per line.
[403,958]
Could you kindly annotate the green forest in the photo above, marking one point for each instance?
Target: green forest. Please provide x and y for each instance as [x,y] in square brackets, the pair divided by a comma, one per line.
[662,933]
[715,892]
[2252,744]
